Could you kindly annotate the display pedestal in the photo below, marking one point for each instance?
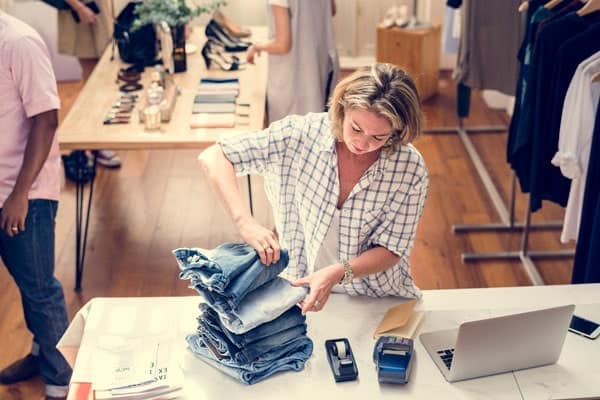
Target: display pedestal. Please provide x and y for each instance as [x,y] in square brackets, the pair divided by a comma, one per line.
[417,51]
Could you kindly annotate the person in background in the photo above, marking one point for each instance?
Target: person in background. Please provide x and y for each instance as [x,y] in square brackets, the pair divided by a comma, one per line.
[303,60]
[29,192]
[87,39]
[347,188]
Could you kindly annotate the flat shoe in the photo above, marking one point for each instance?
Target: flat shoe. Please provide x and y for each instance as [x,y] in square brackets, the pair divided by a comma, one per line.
[20,370]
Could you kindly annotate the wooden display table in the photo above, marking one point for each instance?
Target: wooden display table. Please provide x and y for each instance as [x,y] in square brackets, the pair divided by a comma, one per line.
[83,127]
[417,51]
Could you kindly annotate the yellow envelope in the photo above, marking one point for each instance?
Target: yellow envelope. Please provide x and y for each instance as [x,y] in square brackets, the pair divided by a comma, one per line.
[400,321]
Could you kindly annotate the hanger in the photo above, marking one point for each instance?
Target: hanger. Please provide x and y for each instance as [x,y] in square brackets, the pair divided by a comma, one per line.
[596,77]
[589,7]
[551,4]
[523,6]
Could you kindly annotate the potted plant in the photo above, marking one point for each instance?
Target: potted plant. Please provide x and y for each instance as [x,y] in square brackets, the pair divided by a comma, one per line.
[176,13]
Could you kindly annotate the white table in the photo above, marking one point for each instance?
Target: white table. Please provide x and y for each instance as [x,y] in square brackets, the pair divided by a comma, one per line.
[576,375]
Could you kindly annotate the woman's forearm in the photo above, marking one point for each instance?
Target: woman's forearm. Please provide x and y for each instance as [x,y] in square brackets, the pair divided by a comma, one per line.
[273,47]
[223,180]
[282,39]
[75,4]
[372,261]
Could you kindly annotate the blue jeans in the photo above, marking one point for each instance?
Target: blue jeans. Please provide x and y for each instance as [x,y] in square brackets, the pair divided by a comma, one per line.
[29,257]
[263,305]
[286,358]
[289,319]
[226,349]
[227,273]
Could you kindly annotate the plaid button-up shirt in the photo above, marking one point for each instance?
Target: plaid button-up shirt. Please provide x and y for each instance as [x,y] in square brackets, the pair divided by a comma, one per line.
[297,158]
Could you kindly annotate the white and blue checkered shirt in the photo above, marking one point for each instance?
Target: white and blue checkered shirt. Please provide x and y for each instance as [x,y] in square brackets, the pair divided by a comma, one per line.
[297,158]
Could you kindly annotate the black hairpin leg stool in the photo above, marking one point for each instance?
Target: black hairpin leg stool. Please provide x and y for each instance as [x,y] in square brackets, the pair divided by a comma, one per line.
[82,219]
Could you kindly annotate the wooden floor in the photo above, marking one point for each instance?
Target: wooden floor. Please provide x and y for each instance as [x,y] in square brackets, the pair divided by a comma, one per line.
[159,200]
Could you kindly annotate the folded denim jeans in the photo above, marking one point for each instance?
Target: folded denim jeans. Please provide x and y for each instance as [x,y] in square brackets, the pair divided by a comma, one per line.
[231,270]
[225,349]
[283,359]
[289,319]
[262,305]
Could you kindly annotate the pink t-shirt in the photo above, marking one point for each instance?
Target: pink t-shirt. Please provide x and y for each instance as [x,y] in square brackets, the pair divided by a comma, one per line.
[27,88]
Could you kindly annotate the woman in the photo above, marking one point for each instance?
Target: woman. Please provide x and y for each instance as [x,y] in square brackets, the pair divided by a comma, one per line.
[347,188]
[303,60]
[87,39]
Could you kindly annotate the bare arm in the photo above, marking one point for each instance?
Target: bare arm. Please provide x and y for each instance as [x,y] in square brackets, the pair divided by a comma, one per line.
[14,210]
[86,15]
[372,261]
[222,178]
[281,42]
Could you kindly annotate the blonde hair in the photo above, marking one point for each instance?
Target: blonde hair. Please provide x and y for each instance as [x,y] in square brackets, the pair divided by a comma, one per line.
[386,90]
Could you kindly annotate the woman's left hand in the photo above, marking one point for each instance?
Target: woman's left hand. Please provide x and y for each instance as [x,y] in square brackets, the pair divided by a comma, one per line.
[320,283]
[253,52]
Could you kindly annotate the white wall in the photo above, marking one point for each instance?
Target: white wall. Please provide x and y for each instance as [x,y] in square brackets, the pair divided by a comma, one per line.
[44,19]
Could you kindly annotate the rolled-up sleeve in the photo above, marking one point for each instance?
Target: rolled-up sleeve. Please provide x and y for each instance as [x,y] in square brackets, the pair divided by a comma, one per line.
[260,151]
[33,75]
[397,230]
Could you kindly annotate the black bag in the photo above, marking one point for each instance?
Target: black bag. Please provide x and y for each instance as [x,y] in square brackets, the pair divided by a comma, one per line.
[58,4]
[135,47]
[78,167]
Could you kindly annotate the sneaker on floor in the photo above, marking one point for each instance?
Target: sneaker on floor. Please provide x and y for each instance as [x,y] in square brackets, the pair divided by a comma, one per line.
[107,158]
[20,370]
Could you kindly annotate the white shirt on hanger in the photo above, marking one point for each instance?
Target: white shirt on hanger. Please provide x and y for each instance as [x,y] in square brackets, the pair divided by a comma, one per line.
[575,139]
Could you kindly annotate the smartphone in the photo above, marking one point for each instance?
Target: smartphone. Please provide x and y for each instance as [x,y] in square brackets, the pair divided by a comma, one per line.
[584,327]
[91,5]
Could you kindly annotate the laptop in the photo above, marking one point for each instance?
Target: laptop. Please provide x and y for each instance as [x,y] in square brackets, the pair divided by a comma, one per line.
[501,344]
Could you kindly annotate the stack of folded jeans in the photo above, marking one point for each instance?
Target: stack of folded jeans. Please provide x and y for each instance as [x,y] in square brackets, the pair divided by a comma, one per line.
[249,326]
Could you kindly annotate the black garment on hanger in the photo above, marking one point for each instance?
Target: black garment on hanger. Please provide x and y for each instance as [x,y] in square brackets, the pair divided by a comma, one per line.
[533,123]
[547,181]
[586,268]
[527,39]
[523,77]
[454,3]
[559,11]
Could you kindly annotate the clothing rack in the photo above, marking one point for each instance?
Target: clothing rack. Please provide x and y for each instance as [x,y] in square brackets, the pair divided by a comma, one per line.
[507,219]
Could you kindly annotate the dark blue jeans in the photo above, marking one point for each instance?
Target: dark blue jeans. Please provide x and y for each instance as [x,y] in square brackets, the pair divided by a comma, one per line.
[290,319]
[291,357]
[252,351]
[29,257]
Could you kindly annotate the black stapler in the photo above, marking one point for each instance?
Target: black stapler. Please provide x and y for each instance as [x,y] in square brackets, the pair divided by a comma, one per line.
[341,360]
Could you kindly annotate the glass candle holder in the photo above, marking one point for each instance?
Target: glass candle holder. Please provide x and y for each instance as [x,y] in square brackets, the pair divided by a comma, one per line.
[152,117]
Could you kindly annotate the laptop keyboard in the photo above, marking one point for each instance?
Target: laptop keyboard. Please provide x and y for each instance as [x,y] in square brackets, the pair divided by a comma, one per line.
[446,356]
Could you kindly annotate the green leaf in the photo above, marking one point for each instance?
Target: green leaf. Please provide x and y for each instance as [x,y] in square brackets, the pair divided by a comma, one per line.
[173,12]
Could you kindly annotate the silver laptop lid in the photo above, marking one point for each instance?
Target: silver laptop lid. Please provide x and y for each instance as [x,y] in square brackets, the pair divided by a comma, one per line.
[510,342]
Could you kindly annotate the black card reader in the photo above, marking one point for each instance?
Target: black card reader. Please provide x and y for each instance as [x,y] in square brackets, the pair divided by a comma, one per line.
[341,360]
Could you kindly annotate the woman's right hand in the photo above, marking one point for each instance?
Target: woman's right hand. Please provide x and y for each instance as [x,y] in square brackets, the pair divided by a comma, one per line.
[86,15]
[263,240]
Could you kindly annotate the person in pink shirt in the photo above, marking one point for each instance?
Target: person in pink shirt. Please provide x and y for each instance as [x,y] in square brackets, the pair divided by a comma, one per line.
[29,192]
